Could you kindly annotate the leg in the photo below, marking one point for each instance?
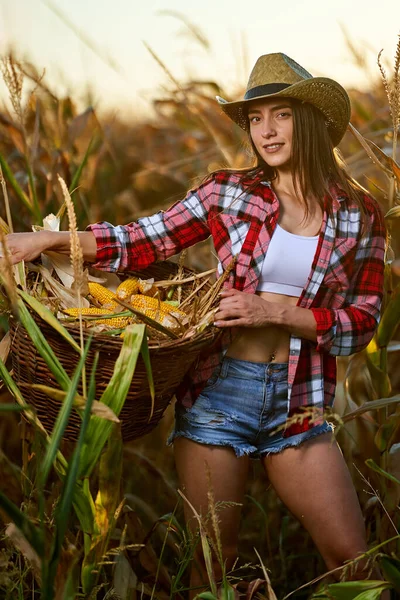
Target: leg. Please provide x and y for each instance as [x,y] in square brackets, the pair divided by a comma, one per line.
[315,484]
[228,479]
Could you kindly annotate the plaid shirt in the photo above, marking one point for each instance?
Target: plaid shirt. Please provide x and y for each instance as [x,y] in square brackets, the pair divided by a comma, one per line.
[344,289]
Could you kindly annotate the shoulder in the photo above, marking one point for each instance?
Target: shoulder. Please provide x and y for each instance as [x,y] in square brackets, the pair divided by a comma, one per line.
[231,177]
[360,201]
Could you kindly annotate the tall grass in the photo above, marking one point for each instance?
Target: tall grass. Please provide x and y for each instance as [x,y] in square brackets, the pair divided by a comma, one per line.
[90,528]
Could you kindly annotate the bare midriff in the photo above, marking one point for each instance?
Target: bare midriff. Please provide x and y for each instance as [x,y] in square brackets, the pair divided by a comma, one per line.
[263,344]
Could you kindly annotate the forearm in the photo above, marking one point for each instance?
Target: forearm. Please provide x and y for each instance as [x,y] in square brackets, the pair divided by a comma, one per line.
[296,320]
[59,241]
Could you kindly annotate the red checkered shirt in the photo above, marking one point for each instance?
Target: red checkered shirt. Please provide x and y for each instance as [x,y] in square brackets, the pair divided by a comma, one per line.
[344,288]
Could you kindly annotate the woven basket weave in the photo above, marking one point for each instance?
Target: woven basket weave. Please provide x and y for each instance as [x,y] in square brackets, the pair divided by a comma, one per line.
[170,360]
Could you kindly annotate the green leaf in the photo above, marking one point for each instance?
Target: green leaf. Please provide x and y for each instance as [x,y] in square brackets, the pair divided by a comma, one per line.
[113,396]
[64,507]
[391,570]
[372,465]
[43,347]
[47,316]
[8,174]
[63,418]
[78,173]
[146,359]
[207,596]
[360,590]
[14,407]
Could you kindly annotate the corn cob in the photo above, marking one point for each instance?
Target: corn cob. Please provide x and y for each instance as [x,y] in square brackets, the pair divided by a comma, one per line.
[147,288]
[162,312]
[127,288]
[103,295]
[114,322]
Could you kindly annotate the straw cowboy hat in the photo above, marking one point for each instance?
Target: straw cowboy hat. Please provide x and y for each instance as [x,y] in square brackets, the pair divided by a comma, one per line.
[277,75]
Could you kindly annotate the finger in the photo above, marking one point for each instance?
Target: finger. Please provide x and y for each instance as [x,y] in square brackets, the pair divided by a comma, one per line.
[231,323]
[227,293]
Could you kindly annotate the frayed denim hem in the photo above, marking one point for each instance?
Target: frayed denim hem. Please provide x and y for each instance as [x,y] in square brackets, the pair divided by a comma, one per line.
[297,440]
[253,452]
[239,452]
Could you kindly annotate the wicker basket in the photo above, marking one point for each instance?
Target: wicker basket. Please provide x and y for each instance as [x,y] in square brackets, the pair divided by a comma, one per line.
[170,360]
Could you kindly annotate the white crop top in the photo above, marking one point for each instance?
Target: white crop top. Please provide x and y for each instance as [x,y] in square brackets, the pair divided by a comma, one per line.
[288,262]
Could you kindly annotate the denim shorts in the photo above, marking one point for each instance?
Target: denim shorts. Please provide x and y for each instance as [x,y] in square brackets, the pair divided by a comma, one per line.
[245,406]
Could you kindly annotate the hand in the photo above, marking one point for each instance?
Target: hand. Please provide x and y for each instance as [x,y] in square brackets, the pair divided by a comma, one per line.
[239,309]
[26,246]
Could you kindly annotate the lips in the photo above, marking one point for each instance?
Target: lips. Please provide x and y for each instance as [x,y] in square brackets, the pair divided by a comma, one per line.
[272,147]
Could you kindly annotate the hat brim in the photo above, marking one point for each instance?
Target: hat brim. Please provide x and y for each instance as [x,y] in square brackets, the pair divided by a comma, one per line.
[325,94]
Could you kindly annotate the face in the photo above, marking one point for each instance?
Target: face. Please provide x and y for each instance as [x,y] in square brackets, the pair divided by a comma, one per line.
[271,129]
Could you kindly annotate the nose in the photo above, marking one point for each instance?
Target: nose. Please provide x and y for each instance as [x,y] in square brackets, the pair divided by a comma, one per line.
[268,129]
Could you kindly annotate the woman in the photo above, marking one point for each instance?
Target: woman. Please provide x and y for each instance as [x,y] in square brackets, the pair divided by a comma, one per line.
[307,287]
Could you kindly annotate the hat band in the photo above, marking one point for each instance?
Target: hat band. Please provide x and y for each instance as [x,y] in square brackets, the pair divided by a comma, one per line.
[265,90]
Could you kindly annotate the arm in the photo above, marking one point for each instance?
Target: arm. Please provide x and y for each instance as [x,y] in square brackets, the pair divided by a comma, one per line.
[28,246]
[350,329]
[340,331]
[158,237]
[115,248]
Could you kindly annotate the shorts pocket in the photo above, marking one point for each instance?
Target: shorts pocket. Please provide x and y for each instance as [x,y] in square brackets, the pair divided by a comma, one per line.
[216,378]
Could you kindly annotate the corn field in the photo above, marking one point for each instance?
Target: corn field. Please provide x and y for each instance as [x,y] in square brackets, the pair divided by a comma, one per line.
[98,518]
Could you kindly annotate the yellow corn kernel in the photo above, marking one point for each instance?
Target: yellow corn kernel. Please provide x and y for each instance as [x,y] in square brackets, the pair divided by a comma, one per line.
[162,312]
[114,322]
[127,288]
[146,287]
[102,294]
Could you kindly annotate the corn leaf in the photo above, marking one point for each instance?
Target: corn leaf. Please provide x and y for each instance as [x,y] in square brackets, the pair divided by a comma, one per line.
[63,418]
[5,346]
[98,408]
[17,189]
[14,407]
[352,590]
[372,405]
[365,144]
[113,396]
[78,173]
[47,316]
[393,213]
[386,159]
[391,570]
[146,359]
[372,465]
[43,347]
[390,319]
[107,500]
[12,387]
[65,504]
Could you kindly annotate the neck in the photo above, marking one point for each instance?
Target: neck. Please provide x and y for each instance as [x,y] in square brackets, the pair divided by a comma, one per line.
[284,183]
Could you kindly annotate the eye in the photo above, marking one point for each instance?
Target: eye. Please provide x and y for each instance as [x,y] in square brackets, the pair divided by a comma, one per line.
[284,114]
[254,119]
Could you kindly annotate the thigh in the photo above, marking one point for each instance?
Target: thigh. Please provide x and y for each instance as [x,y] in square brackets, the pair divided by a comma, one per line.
[201,465]
[315,484]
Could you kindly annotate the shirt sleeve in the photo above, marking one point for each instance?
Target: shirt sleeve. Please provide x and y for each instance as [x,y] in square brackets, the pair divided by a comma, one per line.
[139,244]
[350,329]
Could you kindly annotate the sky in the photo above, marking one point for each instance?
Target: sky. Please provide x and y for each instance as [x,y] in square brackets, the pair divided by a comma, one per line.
[103,43]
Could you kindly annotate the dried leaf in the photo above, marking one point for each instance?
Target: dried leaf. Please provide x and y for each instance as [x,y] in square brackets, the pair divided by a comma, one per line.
[98,408]
[5,346]
[22,544]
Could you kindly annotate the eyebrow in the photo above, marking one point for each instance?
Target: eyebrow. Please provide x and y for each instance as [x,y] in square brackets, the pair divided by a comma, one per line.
[276,107]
